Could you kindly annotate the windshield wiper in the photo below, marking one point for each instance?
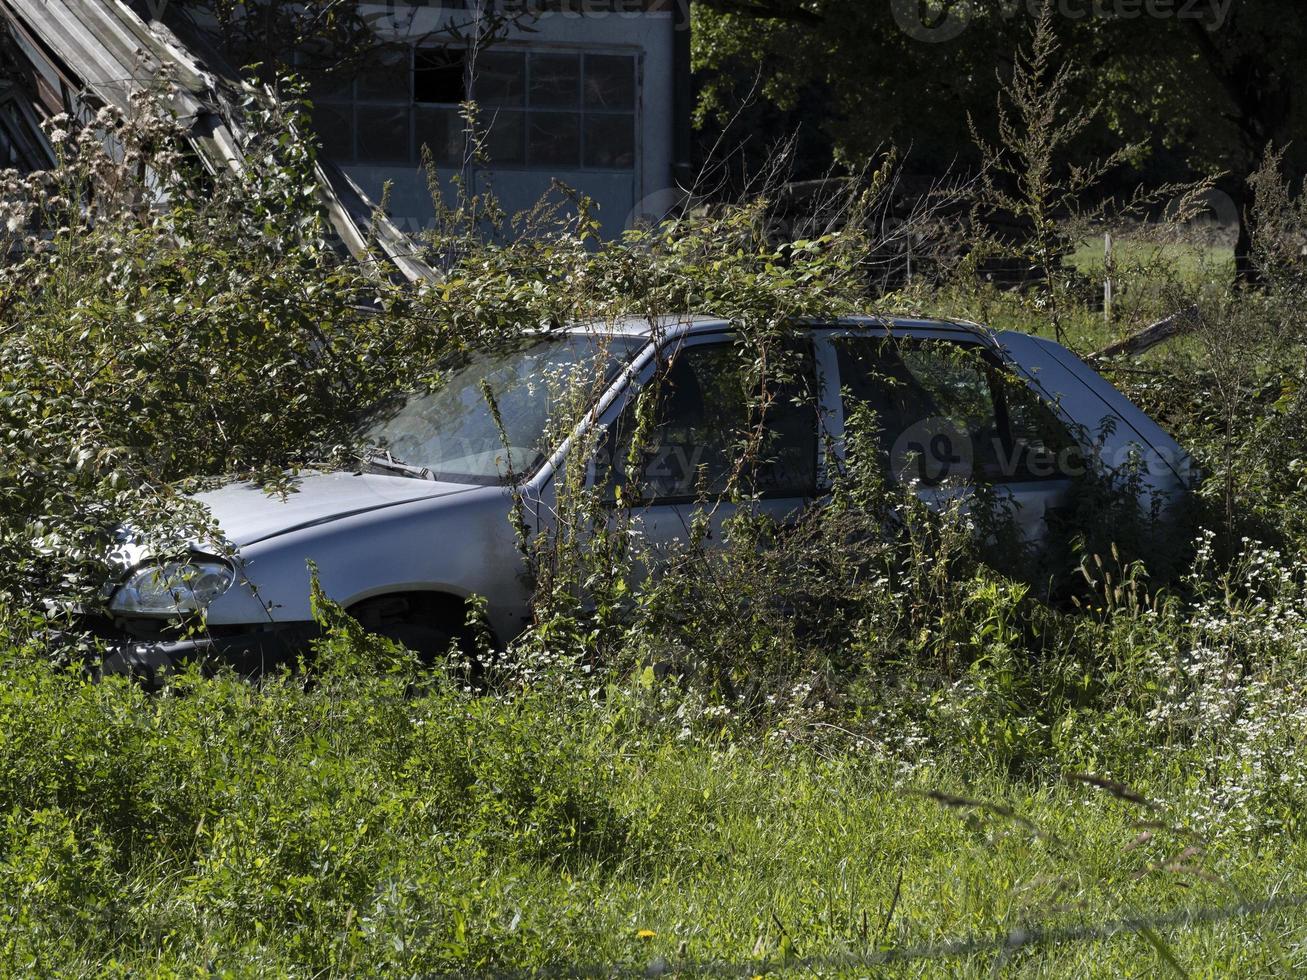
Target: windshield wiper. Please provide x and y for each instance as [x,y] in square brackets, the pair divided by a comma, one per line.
[383,460]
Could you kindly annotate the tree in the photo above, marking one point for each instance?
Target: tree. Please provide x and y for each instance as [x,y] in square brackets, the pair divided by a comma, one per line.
[1223,91]
[844,75]
[324,37]
[1200,95]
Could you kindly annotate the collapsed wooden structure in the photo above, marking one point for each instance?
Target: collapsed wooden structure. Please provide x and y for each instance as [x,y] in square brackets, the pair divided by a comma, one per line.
[74,56]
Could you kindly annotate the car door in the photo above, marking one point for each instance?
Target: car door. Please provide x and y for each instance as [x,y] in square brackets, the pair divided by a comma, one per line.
[950,419]
[720,423]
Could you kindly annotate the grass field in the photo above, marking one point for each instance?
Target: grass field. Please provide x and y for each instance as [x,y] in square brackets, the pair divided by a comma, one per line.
[1190,261]
[356,829]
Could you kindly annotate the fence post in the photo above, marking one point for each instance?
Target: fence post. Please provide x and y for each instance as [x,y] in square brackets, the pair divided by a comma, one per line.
[1107,278]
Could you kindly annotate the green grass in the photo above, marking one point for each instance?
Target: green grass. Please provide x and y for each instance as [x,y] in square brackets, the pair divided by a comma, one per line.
[1151,281]
[1189,262]
[357,829]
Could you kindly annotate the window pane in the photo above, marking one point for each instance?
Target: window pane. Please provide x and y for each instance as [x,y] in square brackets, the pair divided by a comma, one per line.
[707,405]
[314,61]
[451,429]
[441,131]
[384,135]
[439,75]
[787,457]
[1039,446]
[330,86]
[500,78]
[505,138]
[932,404]
[386,78]
[609,81]
[555,81]
[610,141]
[334,125]
[957,379]
[555,139]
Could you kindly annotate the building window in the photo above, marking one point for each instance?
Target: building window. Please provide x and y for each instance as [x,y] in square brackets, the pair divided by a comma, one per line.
[541,109]
[439,76]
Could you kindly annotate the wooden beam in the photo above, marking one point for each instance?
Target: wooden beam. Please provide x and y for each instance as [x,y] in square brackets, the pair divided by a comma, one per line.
[1151,335]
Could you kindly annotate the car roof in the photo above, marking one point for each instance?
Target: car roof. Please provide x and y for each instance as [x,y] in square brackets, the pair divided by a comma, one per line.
[673,327]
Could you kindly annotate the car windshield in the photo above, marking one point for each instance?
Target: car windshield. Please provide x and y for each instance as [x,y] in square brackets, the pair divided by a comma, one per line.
[452,431]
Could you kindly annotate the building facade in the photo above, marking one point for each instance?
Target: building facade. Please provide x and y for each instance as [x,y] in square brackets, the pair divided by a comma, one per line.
[595,99]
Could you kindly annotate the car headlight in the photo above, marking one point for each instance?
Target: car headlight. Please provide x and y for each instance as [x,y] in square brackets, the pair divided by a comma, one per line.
[173,588]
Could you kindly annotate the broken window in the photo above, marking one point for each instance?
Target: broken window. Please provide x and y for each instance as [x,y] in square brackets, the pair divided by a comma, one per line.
[440,76]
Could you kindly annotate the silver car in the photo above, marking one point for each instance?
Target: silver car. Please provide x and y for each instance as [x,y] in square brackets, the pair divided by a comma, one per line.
[423,523]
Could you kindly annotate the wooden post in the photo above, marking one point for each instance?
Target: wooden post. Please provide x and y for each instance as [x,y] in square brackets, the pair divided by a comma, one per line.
[1107,278]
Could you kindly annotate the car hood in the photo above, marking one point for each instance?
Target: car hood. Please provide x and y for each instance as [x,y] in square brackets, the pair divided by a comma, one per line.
[247,514]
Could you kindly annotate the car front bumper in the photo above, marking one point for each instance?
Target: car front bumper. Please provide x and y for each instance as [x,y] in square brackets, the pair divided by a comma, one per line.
[250,655]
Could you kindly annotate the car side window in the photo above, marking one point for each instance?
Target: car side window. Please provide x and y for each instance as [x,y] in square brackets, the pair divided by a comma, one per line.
[947,411]
[713,428]
[1039,446]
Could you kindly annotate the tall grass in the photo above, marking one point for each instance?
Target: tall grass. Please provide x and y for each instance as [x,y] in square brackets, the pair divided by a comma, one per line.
[360,828]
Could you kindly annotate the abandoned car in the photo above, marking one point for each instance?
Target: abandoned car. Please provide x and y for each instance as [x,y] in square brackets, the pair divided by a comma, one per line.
[422,524]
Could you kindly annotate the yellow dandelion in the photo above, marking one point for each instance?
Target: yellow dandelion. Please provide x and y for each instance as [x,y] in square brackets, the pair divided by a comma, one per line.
[645,934]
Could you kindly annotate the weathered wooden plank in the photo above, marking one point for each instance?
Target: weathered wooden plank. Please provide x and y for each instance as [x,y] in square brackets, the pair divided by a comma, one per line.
[1151,335]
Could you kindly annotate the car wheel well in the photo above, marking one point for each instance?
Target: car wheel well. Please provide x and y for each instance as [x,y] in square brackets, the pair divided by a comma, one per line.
[435,609]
